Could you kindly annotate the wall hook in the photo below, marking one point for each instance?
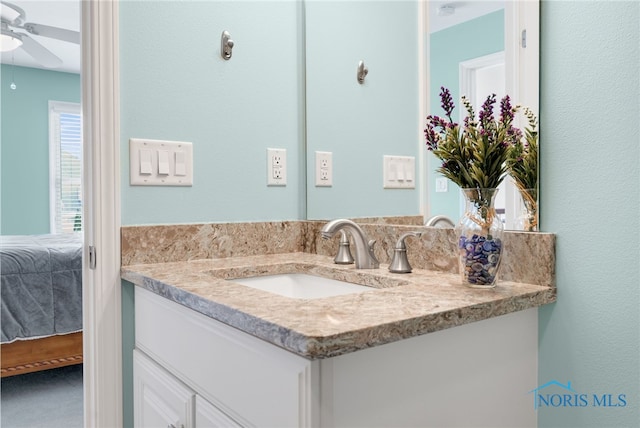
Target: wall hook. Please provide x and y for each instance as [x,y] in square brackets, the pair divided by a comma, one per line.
[362,71]
[226,44]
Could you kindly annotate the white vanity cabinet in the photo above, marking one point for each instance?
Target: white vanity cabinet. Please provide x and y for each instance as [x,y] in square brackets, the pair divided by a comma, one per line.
[477,374]
[251,381]
[161,400]
[209,416]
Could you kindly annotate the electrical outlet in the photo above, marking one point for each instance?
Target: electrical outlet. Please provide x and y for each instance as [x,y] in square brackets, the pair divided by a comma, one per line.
[441,184]
[324,169]
[276,167]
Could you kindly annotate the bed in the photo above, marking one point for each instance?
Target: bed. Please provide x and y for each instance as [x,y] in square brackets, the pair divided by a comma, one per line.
[41,290]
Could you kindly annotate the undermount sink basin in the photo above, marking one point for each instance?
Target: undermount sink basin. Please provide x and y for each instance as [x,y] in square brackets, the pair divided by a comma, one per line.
[302,286]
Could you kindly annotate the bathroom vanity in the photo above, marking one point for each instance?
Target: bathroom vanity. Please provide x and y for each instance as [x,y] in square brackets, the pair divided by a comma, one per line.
[414,350]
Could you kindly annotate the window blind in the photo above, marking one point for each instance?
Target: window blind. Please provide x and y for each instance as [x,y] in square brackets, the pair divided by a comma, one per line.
[66,146]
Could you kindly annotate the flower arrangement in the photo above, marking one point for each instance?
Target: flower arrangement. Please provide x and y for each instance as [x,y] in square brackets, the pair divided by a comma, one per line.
[522,164]
[477,156]
[474,155]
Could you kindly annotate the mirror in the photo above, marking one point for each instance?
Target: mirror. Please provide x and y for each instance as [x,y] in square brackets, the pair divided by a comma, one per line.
[361,122]
[469,47]
[492,63]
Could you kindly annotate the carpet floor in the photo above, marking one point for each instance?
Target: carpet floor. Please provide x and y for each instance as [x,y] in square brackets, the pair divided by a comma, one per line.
[47,399]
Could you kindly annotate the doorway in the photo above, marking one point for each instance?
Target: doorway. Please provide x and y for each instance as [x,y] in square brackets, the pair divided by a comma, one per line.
[40,133]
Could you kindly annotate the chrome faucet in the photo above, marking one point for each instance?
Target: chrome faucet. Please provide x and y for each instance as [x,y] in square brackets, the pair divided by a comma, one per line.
[365,259]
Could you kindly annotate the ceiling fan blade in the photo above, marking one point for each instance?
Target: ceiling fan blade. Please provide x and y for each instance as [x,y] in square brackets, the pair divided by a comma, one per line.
[11,13]
[53,32]
[40,53]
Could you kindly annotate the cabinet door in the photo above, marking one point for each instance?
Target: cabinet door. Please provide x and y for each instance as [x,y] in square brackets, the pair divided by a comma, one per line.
[160,400]
[209,416]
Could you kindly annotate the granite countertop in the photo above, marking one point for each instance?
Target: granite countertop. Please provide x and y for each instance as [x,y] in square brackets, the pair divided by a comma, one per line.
[401,306]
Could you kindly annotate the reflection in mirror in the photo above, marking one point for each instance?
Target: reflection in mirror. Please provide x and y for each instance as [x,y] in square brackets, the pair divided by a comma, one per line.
[360,123]
[473,49]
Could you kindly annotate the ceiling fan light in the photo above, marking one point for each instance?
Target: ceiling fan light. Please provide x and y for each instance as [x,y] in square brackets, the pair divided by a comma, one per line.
[9,41]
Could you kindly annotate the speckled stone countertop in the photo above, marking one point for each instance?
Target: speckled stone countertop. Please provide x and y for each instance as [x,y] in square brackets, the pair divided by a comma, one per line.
[401,306]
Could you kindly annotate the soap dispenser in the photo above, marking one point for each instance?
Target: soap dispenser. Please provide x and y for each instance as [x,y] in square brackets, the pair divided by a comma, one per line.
[400,262]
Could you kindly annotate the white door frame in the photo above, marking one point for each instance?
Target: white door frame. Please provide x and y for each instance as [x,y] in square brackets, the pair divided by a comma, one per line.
[102,332]
[467,70]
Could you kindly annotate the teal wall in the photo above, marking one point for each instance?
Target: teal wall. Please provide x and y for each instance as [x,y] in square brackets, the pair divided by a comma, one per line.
[478,37]
[128,345]
[24,174]
[590,163]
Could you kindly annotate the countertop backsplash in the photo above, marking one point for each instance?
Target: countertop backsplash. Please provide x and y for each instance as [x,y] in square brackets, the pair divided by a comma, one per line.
[528,257]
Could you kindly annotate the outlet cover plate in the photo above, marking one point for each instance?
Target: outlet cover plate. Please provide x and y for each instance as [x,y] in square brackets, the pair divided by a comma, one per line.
[442,185]
[276,167]
[324,169]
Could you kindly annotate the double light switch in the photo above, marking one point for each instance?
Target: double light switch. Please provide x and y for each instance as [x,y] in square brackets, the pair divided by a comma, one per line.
[160,163]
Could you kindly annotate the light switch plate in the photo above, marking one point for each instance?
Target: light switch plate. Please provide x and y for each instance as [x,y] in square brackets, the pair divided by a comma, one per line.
[161,169]
[399,172]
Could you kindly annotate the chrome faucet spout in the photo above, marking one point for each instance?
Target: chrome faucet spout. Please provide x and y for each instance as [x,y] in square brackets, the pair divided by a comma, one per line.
[364,258]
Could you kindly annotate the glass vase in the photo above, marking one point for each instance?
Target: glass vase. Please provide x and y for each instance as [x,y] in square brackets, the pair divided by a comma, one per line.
[528,218]
[479,233]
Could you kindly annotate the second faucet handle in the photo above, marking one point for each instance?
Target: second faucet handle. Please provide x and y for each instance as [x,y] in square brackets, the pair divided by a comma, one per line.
[400,262]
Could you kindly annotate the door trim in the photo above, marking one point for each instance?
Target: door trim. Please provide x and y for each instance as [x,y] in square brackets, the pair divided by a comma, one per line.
[101,191]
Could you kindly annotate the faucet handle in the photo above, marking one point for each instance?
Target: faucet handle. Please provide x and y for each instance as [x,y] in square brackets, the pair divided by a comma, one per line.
[374,263]
[344,256]
[400,262]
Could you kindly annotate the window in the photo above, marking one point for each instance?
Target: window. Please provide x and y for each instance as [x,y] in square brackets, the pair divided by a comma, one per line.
[65,167]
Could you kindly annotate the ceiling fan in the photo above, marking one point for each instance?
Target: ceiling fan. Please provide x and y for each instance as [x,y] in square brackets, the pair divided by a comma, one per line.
[13,20]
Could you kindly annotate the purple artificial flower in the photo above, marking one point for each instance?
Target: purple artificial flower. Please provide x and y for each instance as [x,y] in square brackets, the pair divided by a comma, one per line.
[447,102]
[486,113]
[475,151]
[506,111]
[439,122]
[512,136]
[432,138]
